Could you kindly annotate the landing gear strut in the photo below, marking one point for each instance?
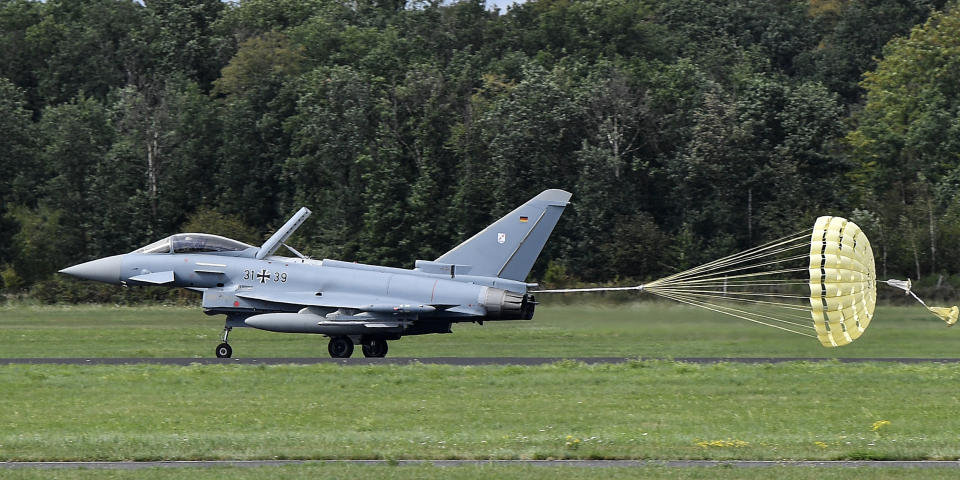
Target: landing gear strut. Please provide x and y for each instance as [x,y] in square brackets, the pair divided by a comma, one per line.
[224,350]
[374,347]
[340,346]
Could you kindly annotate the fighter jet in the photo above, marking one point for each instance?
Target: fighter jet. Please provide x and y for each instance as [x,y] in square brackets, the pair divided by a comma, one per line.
[482,279]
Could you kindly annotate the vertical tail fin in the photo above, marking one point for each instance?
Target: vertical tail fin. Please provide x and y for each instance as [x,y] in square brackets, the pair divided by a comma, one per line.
[509,247]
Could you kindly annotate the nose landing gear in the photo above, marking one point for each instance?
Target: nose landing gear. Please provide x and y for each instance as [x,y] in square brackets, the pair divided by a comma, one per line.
[224,350]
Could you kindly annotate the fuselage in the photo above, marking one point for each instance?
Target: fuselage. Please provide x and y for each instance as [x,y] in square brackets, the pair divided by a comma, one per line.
[241,286]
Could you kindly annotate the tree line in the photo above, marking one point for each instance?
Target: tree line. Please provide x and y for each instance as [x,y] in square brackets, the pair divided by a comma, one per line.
[686,129]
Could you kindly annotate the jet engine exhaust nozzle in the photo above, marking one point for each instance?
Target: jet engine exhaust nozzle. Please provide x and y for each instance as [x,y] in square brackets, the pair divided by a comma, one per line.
[506,305]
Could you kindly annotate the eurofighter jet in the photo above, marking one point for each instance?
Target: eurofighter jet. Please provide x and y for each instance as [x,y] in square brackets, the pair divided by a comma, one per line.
[482,279]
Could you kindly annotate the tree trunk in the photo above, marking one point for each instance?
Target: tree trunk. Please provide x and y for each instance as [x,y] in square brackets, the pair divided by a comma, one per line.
[883,250]
[916,254]
[933,238]
[153,169]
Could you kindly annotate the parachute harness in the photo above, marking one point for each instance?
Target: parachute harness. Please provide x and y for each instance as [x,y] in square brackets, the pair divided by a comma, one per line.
[838,291]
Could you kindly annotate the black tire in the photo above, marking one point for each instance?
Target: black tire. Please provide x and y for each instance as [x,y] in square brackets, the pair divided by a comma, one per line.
[340,347]
[224,350]
[374,347]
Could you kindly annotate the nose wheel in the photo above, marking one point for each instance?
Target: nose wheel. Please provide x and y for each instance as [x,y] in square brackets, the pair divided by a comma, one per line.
[224,350]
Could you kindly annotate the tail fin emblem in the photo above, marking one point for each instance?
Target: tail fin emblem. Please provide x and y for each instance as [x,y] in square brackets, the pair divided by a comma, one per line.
[501,238]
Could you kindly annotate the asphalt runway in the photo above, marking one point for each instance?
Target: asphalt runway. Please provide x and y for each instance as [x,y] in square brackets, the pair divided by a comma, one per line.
[460,361]
[458,463]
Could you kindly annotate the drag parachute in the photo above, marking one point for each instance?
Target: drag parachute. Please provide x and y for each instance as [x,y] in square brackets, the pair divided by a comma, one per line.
[843,287]
[828,275]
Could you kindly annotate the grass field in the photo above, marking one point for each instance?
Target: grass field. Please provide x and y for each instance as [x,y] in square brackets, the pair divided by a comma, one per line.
[637,410]
[634,330]
[363,472]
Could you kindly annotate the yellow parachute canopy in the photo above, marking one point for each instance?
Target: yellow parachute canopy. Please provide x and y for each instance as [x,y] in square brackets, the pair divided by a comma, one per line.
[948,315]
[843,288]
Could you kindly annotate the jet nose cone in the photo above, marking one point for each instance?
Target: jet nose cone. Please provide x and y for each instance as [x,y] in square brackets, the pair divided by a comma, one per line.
[105,269]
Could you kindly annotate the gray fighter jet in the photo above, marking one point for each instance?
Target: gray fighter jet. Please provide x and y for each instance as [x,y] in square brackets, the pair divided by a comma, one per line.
[481,279]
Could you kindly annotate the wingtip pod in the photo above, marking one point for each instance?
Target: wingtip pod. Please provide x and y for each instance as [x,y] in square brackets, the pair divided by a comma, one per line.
[842,281]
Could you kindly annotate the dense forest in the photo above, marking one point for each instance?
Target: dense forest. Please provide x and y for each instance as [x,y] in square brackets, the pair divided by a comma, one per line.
[686,129]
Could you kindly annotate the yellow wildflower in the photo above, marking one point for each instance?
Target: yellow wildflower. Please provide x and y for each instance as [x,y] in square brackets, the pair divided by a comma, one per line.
[723,443]
[880,424]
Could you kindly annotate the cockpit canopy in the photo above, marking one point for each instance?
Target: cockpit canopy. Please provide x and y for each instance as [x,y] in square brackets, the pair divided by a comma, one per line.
[194,243]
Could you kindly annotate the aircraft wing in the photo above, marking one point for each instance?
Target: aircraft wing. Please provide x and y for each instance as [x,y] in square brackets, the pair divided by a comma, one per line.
[344,300]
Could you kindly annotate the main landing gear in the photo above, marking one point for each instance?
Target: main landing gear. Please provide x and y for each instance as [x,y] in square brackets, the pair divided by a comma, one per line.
[224,350]
[374,347]
[341,346]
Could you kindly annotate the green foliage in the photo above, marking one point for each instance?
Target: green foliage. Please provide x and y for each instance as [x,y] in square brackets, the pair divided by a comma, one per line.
[18,160]
[39,246]
[260,60]
[10,281]
[184,38]
[907,141]
[208,220]
[251,17]
[330,132]
[854,35]
[685,129]
[912,99]
[530,132]
[730,33]
[87,48]
[556,276]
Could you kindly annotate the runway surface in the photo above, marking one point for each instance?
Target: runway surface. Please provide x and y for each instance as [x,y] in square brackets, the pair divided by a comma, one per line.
[461,361]
[458,463]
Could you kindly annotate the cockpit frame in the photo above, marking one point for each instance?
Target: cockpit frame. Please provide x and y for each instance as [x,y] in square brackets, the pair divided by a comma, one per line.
[194,243]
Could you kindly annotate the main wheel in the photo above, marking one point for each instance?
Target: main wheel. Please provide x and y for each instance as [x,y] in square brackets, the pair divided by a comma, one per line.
[224,350]
[340,347]
[374,347]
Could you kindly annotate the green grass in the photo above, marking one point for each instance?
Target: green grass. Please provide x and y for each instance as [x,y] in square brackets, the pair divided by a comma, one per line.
[363,472]
[649,329]
[638,410]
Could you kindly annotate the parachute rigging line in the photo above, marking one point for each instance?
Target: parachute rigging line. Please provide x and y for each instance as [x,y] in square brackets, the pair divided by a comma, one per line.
[764,284]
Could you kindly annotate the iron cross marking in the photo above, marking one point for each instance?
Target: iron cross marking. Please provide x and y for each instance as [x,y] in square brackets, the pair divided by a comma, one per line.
[263,276]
